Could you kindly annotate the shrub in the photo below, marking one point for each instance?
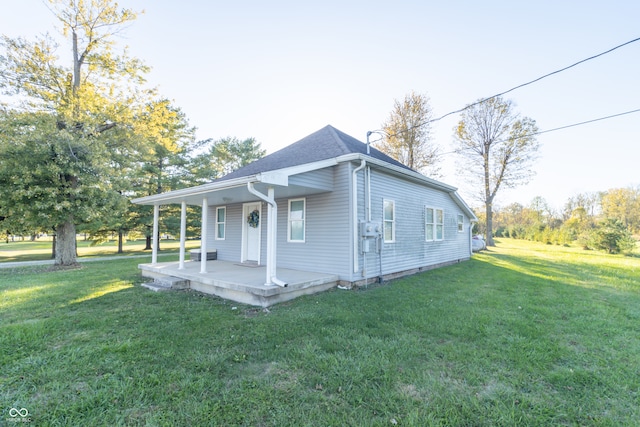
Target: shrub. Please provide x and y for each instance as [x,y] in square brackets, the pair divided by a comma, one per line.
[613,236]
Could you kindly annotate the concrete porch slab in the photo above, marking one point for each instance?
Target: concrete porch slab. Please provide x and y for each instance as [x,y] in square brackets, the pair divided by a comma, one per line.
[244,284]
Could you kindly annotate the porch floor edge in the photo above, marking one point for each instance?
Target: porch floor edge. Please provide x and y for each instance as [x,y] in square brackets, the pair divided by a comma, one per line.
[241,283]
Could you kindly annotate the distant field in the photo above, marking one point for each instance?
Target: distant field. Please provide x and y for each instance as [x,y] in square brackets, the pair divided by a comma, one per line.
[525,334]
[41,249]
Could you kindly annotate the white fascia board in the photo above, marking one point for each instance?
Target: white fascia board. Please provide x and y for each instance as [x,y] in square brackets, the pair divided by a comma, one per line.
[281,176]
[274,177]
[463,205]
[177,195]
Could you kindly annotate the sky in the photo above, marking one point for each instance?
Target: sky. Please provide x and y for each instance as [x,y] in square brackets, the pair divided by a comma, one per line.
[280,70]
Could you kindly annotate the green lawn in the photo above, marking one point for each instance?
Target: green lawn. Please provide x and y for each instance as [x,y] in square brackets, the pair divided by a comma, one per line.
[41,249]
[525,334]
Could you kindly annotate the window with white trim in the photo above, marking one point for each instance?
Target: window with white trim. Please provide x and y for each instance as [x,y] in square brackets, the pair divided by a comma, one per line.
[389,220]
[221,221]
[433,224]
[296,223]
[460,223]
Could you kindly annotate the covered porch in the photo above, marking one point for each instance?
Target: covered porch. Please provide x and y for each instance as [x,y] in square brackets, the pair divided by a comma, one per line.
[261,189]
[243,283]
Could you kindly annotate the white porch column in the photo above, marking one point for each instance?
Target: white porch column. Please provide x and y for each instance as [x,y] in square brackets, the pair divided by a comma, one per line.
[183,233]
[203,236]
[154,241]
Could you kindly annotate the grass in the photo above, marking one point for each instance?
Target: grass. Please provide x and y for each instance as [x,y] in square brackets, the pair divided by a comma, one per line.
[524,334]
[41,249]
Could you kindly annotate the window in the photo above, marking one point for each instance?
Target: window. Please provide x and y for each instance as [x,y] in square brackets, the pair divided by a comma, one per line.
[221,218]
[389,216]
[460,223]
[433,224]
[439,224]
[297,217]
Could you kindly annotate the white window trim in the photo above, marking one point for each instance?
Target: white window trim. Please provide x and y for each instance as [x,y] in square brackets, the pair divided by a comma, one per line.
[434,224]
[460,223]
[304,221]
[385,221]
[224,223]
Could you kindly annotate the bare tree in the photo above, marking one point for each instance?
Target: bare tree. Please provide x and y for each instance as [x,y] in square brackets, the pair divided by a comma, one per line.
[408,135]
[496,148]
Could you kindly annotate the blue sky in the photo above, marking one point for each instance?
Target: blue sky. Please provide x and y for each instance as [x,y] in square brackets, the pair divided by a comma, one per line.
[279,70]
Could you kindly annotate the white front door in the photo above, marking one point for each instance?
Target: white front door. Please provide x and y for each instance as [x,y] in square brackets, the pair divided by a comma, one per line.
[251,232]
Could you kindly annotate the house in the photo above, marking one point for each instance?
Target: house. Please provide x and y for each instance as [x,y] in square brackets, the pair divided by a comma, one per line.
[325,211]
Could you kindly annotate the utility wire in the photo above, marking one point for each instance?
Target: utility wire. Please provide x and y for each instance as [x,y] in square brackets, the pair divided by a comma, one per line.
[584,123]
[518,87]
[563,127]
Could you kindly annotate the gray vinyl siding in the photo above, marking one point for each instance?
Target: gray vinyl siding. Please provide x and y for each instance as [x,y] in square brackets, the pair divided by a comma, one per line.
[327,227]
[322,179]
[410,249]
[229,248]
[329,234]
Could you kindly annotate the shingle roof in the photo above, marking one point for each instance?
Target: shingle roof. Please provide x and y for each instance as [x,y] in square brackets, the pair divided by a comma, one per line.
[326,143]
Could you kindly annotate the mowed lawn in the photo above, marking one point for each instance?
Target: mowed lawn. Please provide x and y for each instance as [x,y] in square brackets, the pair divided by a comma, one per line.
[524,334]
[41,249]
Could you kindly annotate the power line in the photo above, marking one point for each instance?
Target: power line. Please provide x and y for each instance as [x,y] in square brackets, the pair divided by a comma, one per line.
[585,122]
[566,126]
[518,87]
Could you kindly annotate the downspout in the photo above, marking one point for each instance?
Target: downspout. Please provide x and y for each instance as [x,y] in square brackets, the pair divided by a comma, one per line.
[354,210]
[272,225]
[471,237]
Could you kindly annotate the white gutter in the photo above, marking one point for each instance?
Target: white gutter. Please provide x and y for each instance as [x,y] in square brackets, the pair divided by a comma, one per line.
[272,224]
[354,210]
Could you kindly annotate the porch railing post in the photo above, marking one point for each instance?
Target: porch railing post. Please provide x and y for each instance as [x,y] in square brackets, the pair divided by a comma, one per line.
[203,236]
[183,233]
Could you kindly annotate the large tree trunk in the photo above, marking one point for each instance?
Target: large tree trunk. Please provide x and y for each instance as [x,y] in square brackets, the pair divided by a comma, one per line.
[66,243]
[489,213]
[148,240]
[120,241]
[53,246]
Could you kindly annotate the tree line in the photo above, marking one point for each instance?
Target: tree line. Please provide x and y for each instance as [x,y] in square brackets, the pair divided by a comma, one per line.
[606,220]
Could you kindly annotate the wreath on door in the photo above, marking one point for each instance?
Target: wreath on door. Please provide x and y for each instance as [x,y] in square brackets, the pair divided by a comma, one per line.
[253,219]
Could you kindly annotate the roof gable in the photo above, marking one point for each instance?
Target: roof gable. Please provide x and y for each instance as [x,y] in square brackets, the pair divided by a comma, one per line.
[326,143]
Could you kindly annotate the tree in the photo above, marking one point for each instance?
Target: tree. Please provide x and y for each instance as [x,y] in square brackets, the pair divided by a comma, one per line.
[613,236]
[587,202]
[408,135]
[70,118]
[224,156]
[622,204]
[41,182]
[167,140]
[496,149]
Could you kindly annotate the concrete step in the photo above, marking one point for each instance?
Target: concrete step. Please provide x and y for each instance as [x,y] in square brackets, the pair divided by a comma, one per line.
[167,283]
[155,287]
